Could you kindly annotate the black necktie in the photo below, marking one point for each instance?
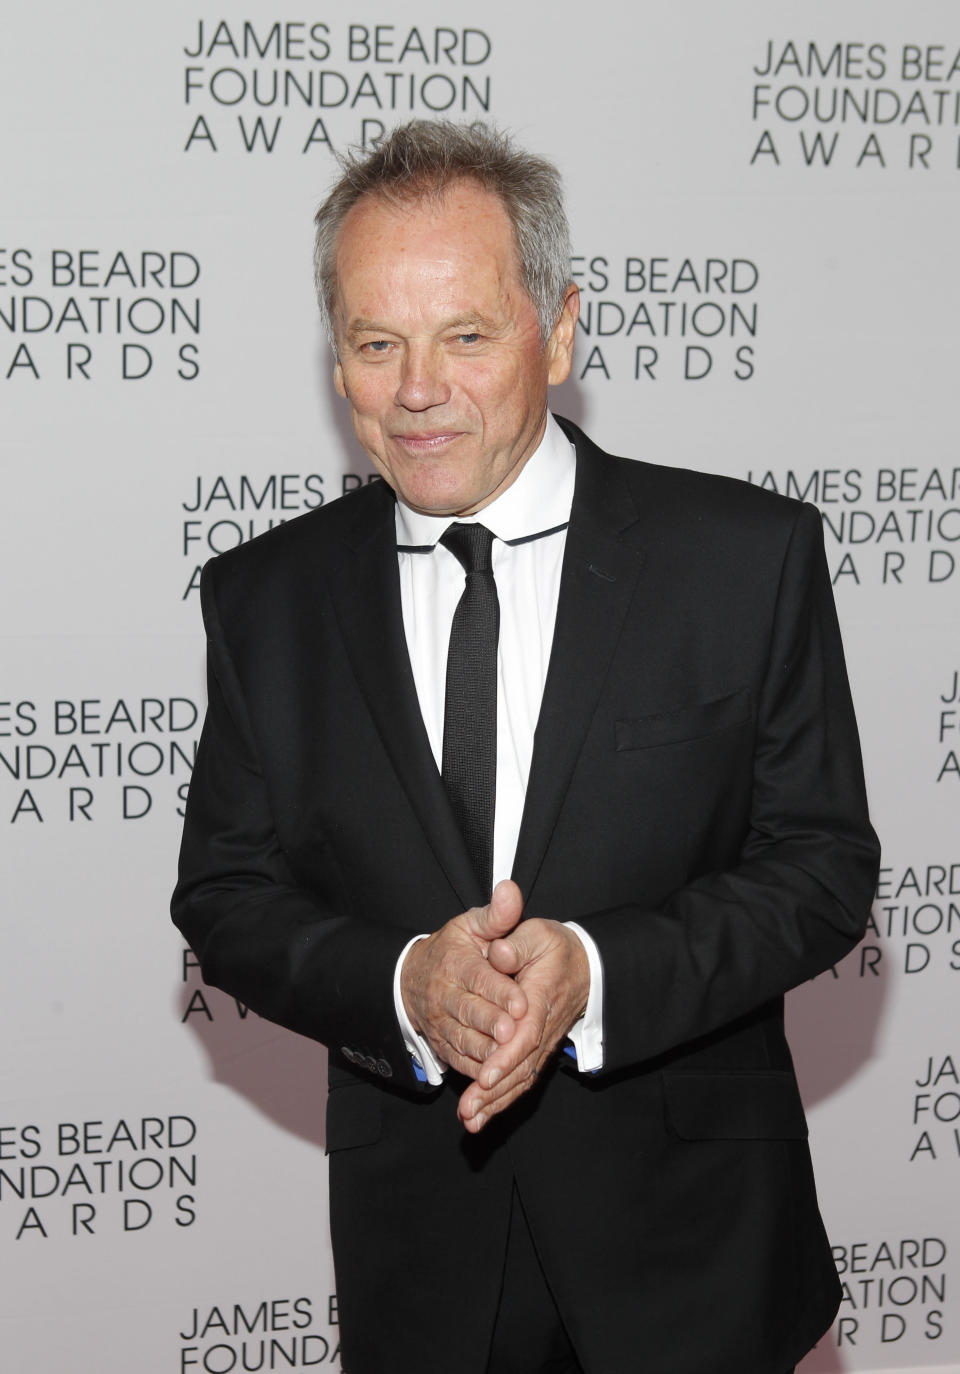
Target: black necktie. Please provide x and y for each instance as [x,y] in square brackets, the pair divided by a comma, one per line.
[469,764]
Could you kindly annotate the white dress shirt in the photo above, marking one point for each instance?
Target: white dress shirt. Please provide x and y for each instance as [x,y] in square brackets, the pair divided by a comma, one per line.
[527,574]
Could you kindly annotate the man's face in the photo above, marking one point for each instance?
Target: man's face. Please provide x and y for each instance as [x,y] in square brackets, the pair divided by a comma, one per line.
[439,347]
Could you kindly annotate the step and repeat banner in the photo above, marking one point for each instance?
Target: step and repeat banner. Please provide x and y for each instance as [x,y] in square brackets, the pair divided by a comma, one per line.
[765,202]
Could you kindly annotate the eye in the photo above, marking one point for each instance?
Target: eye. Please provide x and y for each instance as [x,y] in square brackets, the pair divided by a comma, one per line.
[376,346]
[468,338]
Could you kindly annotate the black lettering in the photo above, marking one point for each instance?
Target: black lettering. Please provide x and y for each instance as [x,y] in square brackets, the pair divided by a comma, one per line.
[200,133]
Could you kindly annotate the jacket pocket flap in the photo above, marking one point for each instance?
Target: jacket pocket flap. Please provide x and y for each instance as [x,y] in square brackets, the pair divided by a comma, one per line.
[685,723]
[353,1117]
[749,1105]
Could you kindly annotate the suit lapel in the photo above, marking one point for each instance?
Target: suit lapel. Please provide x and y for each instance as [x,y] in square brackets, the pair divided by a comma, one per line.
[598,581]
[600,570]
[366,596]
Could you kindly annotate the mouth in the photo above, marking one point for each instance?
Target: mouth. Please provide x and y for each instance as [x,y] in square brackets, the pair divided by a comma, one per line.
[429,441]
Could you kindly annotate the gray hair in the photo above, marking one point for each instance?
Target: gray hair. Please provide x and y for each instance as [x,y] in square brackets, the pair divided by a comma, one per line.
[419,161]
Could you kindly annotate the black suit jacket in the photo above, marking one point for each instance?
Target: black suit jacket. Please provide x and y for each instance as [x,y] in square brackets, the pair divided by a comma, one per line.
[695,800]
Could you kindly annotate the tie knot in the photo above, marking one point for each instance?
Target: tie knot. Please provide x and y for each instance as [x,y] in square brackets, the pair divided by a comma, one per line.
[471,545]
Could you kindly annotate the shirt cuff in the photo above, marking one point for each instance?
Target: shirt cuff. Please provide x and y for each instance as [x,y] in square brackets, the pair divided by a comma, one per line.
[424,1059]
[586,1035]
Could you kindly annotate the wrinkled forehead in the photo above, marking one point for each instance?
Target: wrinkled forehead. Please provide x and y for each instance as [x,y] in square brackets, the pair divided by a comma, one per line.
[462,206]
[429,198]
[462,222]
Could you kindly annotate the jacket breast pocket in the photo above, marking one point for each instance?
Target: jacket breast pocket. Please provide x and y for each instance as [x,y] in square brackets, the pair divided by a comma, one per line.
[685,723]
[752,1104]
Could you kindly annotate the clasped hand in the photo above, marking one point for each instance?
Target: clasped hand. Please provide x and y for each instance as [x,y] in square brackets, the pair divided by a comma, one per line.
[494,997]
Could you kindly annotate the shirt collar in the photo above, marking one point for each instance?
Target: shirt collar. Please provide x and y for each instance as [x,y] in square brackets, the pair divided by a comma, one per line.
[539,498]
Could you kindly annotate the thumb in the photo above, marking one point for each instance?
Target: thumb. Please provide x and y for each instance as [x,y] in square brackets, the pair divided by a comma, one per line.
[501,913]
[520,947]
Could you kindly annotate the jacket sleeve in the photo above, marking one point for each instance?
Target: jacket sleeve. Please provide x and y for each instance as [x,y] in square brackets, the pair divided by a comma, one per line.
[257,934]
[797,898]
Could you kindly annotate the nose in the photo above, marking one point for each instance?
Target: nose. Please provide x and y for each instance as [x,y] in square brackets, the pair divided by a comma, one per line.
[422,383]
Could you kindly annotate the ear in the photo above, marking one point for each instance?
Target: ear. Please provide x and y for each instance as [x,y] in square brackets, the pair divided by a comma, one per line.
[338,379]
[560,343]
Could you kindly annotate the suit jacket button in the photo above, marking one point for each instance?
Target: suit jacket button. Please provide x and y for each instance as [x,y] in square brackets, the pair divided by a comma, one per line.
[348,1054]
[369,1062]
[384,1069]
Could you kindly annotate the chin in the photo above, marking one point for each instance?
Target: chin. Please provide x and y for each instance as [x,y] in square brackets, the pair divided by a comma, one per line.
[440,500]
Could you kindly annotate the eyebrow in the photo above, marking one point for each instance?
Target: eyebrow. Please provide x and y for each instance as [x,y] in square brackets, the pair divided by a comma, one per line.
[476,322]
[362,326]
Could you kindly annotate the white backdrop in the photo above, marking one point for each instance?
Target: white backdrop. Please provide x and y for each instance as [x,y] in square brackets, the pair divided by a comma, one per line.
[764,200]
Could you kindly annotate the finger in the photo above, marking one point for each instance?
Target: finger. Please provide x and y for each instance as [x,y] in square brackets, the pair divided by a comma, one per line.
[476,1013]
[537,1036]
[463,1049]
[474,1124]
[503,956]
[506,1058]
[477,977]
[467,1027]
[531,940]
[485,1093]
[476,1107]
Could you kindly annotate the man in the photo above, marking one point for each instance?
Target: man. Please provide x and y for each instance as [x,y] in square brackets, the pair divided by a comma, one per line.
[564,1130]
